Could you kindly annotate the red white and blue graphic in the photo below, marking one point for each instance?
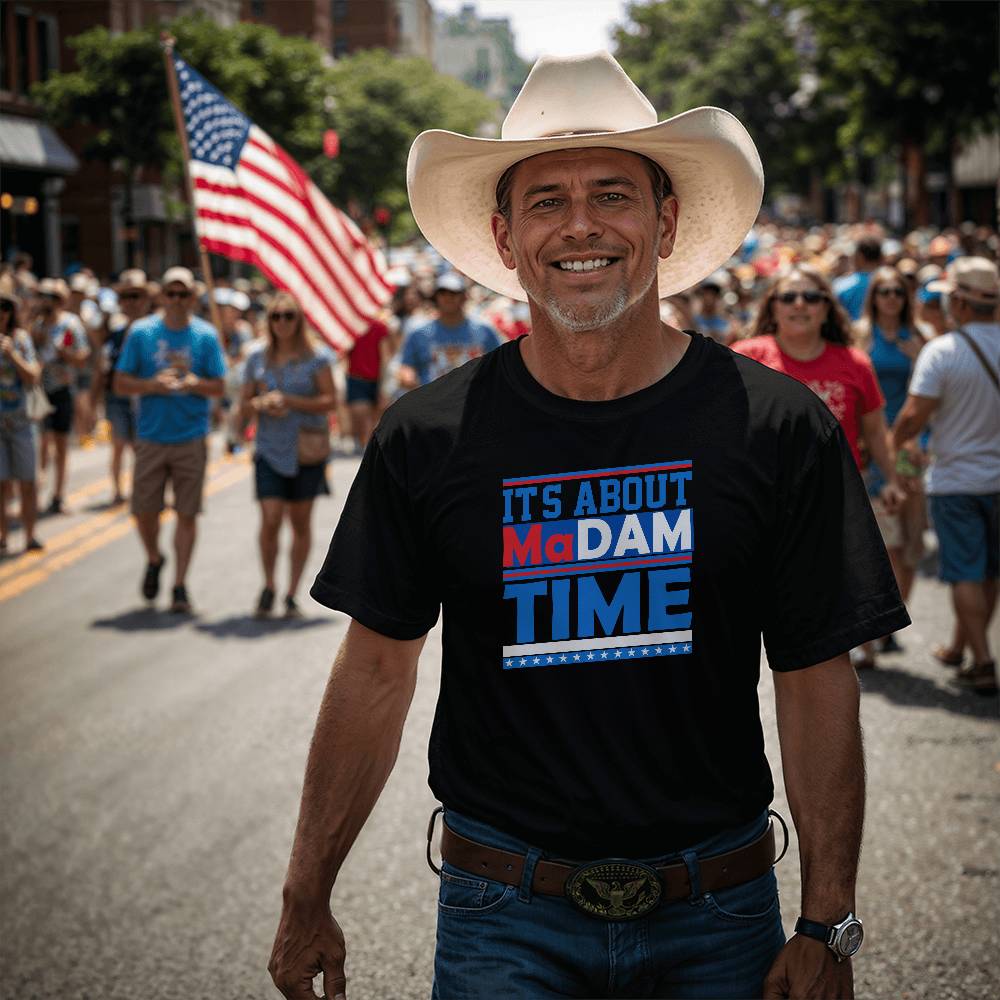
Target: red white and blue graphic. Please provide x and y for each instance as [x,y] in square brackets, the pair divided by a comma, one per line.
[597,565]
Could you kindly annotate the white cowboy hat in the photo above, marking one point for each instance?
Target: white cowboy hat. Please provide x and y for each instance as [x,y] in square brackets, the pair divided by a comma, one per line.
[578,103]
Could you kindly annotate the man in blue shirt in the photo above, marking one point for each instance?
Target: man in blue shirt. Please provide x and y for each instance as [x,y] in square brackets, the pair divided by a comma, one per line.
[446,342]
[851,289]
[173,362]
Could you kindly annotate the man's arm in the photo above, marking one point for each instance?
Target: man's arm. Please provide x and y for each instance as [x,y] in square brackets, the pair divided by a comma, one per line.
[822,757]
[353,751]
[210,388]
[912,418]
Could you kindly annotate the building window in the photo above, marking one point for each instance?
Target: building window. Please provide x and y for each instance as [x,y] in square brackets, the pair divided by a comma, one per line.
[48,53]
[338,10]
[341,46]
[23,35]
[257,9]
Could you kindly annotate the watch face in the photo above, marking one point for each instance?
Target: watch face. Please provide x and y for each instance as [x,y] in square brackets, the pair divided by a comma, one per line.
[850,939]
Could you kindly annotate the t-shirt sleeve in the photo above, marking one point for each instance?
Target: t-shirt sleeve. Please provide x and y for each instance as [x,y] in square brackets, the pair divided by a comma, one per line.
[378,569]
[871,393]
[212,357]
[413,349]
[830,585]
[928,374]
[251,368]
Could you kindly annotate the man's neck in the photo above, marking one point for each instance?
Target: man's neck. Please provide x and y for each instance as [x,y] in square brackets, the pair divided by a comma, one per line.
[176,323]
[452,321]
[607,363]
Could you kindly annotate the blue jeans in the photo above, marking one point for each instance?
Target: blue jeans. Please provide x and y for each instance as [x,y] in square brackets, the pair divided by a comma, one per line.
[496,940]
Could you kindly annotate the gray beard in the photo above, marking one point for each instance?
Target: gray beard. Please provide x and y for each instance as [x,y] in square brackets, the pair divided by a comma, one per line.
[583,319]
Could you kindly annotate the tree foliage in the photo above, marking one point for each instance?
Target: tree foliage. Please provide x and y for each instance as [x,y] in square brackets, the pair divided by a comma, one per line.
[286,85]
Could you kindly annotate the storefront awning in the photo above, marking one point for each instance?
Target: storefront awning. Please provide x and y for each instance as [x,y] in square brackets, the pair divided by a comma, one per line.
[33,145]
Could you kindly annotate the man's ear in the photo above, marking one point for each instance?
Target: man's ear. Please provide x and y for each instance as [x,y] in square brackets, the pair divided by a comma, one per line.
[669,210]
[501,237]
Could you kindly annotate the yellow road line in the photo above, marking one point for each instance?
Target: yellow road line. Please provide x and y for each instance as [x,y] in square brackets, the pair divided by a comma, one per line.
[42,569]
[94,523]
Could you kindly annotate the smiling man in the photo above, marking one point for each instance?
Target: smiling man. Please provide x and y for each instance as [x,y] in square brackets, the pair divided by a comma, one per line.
[611,513]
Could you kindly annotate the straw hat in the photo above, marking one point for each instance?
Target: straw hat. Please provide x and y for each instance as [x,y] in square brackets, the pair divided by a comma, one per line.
[55,287]
[132,279]
[975,278]
[586,102]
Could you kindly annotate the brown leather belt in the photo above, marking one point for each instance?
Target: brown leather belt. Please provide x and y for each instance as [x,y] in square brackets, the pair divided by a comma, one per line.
[717,872]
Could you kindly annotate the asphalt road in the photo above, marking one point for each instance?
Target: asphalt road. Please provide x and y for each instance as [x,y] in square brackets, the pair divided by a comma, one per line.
[151,769]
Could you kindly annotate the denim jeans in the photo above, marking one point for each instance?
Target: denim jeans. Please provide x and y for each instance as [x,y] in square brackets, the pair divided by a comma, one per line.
[496,940]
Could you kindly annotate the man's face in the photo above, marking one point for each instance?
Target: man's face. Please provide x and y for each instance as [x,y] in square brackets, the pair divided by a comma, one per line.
[177,302]
[133,302]
[584,234]
[450,305]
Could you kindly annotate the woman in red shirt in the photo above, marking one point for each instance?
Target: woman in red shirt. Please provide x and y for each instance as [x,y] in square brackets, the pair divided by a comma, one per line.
[802,330]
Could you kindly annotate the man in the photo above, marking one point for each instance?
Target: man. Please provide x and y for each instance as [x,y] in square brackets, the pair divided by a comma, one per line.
[174,364]
[955,387]
[63,349]
[710,320]
[852,288]
[446,342]
[597,743]
[133,292]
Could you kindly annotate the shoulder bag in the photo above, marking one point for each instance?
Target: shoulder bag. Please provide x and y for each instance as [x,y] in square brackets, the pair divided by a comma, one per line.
[982,358]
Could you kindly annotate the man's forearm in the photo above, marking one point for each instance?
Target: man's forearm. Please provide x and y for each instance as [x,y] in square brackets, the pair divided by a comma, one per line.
[824,769]
[353,751]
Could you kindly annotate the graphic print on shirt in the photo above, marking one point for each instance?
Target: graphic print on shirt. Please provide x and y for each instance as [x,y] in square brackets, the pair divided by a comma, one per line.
[833,394]
[166,357]
[597,565]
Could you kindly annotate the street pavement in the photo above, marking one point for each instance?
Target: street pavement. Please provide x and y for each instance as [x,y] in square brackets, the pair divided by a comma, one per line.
[152,767]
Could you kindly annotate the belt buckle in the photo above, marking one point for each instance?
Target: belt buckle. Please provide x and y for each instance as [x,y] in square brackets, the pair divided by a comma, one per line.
[614,889]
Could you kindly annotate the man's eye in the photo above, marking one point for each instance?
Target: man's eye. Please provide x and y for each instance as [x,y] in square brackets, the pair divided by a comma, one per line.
[615,195]
[546,203]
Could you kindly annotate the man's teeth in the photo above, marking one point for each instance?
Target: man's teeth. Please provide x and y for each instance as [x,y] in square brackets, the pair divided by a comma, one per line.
[584,265]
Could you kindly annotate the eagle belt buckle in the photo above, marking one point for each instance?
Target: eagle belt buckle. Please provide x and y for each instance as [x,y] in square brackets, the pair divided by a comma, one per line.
[614,889]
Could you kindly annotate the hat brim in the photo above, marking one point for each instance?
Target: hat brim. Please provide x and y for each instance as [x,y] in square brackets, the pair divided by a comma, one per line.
[712,162]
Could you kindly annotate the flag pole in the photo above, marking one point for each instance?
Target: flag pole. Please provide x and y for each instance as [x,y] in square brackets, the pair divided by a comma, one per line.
[167,41]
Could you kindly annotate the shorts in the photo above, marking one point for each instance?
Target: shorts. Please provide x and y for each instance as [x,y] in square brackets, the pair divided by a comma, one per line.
[60,420]
[17,451]
[309,482]
[968,530]
[120,411]
[361,390]
[183,464]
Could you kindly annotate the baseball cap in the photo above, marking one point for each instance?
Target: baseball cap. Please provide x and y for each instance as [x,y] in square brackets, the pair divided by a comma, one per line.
[180,276]
[449,282]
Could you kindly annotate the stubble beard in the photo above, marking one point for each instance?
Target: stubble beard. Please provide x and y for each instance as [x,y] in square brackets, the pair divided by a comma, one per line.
[584,318]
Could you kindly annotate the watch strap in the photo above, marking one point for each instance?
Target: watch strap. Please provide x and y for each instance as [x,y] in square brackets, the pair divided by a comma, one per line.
[810,928]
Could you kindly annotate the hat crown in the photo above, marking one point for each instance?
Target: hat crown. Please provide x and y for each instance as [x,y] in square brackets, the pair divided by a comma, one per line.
[577,94]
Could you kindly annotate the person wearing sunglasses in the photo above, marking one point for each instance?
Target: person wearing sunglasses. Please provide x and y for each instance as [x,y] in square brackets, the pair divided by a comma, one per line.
[803,331]
[19,372]
[888,332]
[173,362]
[63,349]
[288,389]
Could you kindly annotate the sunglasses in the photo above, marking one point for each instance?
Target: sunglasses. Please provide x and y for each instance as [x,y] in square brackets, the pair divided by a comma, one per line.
[288,317]
[133,296]
[884,293]
[810,298]
[177,295]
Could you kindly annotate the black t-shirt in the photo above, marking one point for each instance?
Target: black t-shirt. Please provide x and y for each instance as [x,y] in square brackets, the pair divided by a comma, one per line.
[606,570]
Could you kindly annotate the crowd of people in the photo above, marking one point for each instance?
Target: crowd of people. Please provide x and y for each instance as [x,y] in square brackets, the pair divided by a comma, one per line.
[857,315]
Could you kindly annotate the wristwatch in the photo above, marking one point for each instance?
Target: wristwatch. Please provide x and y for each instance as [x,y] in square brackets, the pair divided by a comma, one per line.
[843,939]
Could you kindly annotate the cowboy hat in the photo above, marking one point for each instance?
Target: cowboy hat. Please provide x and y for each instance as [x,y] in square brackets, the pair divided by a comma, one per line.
[54,287]
[132,279]
[584,102]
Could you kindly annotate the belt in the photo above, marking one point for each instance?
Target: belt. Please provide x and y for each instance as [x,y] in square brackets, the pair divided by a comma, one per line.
[612,888]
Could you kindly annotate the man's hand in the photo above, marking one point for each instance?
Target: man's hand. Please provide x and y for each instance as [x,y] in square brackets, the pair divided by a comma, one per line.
[806,970]
[893,497]
[6,345]
[165,380]
[308,942]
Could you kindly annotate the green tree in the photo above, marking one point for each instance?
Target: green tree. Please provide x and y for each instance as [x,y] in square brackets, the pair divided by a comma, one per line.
[741,55]
[906,78]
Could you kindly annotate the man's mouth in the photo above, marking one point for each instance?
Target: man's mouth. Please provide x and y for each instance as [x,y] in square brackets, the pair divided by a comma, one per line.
[592,264]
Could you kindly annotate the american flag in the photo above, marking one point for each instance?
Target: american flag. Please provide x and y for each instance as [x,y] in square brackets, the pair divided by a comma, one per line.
[254,203]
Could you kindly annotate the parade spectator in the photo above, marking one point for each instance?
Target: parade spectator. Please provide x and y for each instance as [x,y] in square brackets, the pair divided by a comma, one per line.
[174,364]
[931,318]
[62,347]
[83,290]
[19,373]
[956,389]
[710,319]
[555,763]
[887,330]
[802,331]
[288,388]
[366,361]
[447,341]
[851,289]
[133,291]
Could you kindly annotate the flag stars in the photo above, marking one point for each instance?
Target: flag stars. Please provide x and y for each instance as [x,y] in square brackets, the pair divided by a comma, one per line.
[524,660]
[672,649]
[645,652]
[548,659]
[536,660]
[576,656]
[508,663]
[590,655]
[562,659]
[631,652]
[687,647]
[618,653]
[659,650]
[604,654]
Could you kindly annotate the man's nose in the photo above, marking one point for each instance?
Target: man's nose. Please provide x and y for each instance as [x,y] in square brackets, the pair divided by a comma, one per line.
[581,221]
